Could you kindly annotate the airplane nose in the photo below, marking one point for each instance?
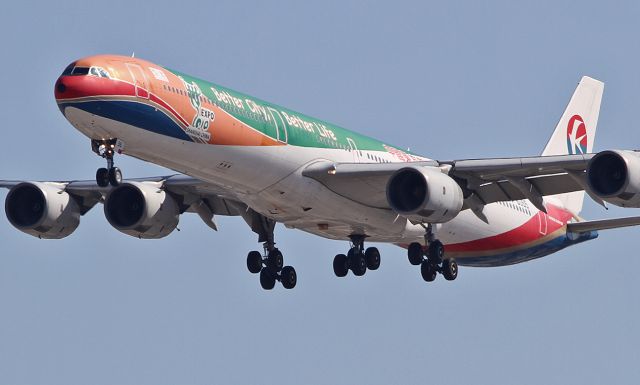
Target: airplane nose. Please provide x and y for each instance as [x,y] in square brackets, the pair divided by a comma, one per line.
[60,88]
[69,87]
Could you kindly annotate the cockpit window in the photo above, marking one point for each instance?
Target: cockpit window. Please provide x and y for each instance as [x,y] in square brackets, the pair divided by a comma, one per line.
[99,72]
[72,70]
[69,69]
[80,71]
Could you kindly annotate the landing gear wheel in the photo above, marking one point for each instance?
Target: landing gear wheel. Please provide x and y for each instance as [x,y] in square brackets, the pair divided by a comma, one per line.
[254,262]
[267,279]
[372,256]
[450,269]
[358,264]
[275,260]
[415,253]
[102,177]
[340,265]
[288,277]
[436,251]
[115,176]
[428,271]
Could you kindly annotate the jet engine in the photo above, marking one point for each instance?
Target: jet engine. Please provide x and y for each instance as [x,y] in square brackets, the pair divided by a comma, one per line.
[424,194]
[142,210]
[614,176]
[43,210]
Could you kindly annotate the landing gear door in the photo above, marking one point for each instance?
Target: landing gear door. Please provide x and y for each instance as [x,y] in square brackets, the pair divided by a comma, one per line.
[139,80]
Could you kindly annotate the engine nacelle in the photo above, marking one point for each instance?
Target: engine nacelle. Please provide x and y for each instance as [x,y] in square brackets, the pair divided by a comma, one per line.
[424,194]
[614,176]
[43,210]
[142,210]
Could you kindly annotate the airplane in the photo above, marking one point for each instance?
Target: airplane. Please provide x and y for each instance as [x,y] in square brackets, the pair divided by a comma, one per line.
[236,155]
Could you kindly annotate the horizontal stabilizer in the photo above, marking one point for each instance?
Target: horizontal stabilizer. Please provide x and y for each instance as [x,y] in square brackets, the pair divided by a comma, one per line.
[603,224]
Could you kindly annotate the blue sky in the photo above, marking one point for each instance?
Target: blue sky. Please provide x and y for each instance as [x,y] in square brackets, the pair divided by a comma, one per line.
[448,79]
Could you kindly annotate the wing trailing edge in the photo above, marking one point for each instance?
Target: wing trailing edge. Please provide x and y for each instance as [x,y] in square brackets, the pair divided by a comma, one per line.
[602,224]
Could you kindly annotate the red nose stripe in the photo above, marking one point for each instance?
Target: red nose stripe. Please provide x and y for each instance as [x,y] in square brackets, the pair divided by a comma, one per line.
[83,86]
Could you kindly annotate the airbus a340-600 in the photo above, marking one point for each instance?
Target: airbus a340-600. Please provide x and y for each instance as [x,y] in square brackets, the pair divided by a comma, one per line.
[238,155]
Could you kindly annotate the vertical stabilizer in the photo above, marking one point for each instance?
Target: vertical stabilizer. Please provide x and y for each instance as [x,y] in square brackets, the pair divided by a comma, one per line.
[576,131]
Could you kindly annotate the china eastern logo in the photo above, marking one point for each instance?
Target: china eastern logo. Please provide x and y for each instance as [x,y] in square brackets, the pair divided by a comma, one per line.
[576,135]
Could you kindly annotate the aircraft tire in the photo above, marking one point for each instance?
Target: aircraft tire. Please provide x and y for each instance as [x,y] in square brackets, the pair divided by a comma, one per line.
[428,271]
[267,279]
[415,253]
[450,269]
[436,251]
[254,262]
[115,176]
[102,177]
[275,260]
[372,256]
[288,277]
[340,265]
[358,264]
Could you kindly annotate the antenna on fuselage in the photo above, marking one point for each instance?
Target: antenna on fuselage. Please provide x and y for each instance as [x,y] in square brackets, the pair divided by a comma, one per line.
[133,54]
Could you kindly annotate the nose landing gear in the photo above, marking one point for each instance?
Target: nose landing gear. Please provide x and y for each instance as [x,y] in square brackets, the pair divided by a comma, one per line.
[431,258]
[110,175]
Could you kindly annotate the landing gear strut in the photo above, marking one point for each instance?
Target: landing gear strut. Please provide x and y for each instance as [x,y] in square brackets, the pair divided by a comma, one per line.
[358,260]
[431,258]
[270,264]
[110,175]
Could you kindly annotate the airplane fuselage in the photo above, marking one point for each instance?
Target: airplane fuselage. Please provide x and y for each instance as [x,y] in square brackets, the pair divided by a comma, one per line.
[257,151]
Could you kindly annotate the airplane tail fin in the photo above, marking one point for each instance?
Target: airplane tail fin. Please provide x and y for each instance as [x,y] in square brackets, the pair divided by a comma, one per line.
[576,131]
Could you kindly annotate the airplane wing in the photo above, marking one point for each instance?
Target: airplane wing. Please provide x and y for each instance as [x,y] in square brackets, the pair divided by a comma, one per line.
[483,180]
[191,194]
[603,224]
[504,179]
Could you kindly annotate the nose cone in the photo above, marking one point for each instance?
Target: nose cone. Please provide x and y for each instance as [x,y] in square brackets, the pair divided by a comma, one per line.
[60,88]
[70,88]
[73,86]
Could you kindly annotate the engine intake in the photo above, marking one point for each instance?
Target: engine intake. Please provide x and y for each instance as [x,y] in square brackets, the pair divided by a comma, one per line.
[43,210]
[142,210]
[424,194]
[614,176]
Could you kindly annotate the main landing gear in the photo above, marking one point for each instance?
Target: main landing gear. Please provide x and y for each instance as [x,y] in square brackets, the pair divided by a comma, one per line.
[432,259]
[110,175]
[271,268]
[269,265]
[358,260]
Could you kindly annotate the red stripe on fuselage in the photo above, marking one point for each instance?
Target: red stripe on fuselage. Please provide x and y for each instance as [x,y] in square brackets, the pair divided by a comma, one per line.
[525,234]
[76,87]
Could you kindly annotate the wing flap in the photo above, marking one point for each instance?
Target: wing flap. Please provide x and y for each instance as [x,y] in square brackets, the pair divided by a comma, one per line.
[503,190]
[498,168]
